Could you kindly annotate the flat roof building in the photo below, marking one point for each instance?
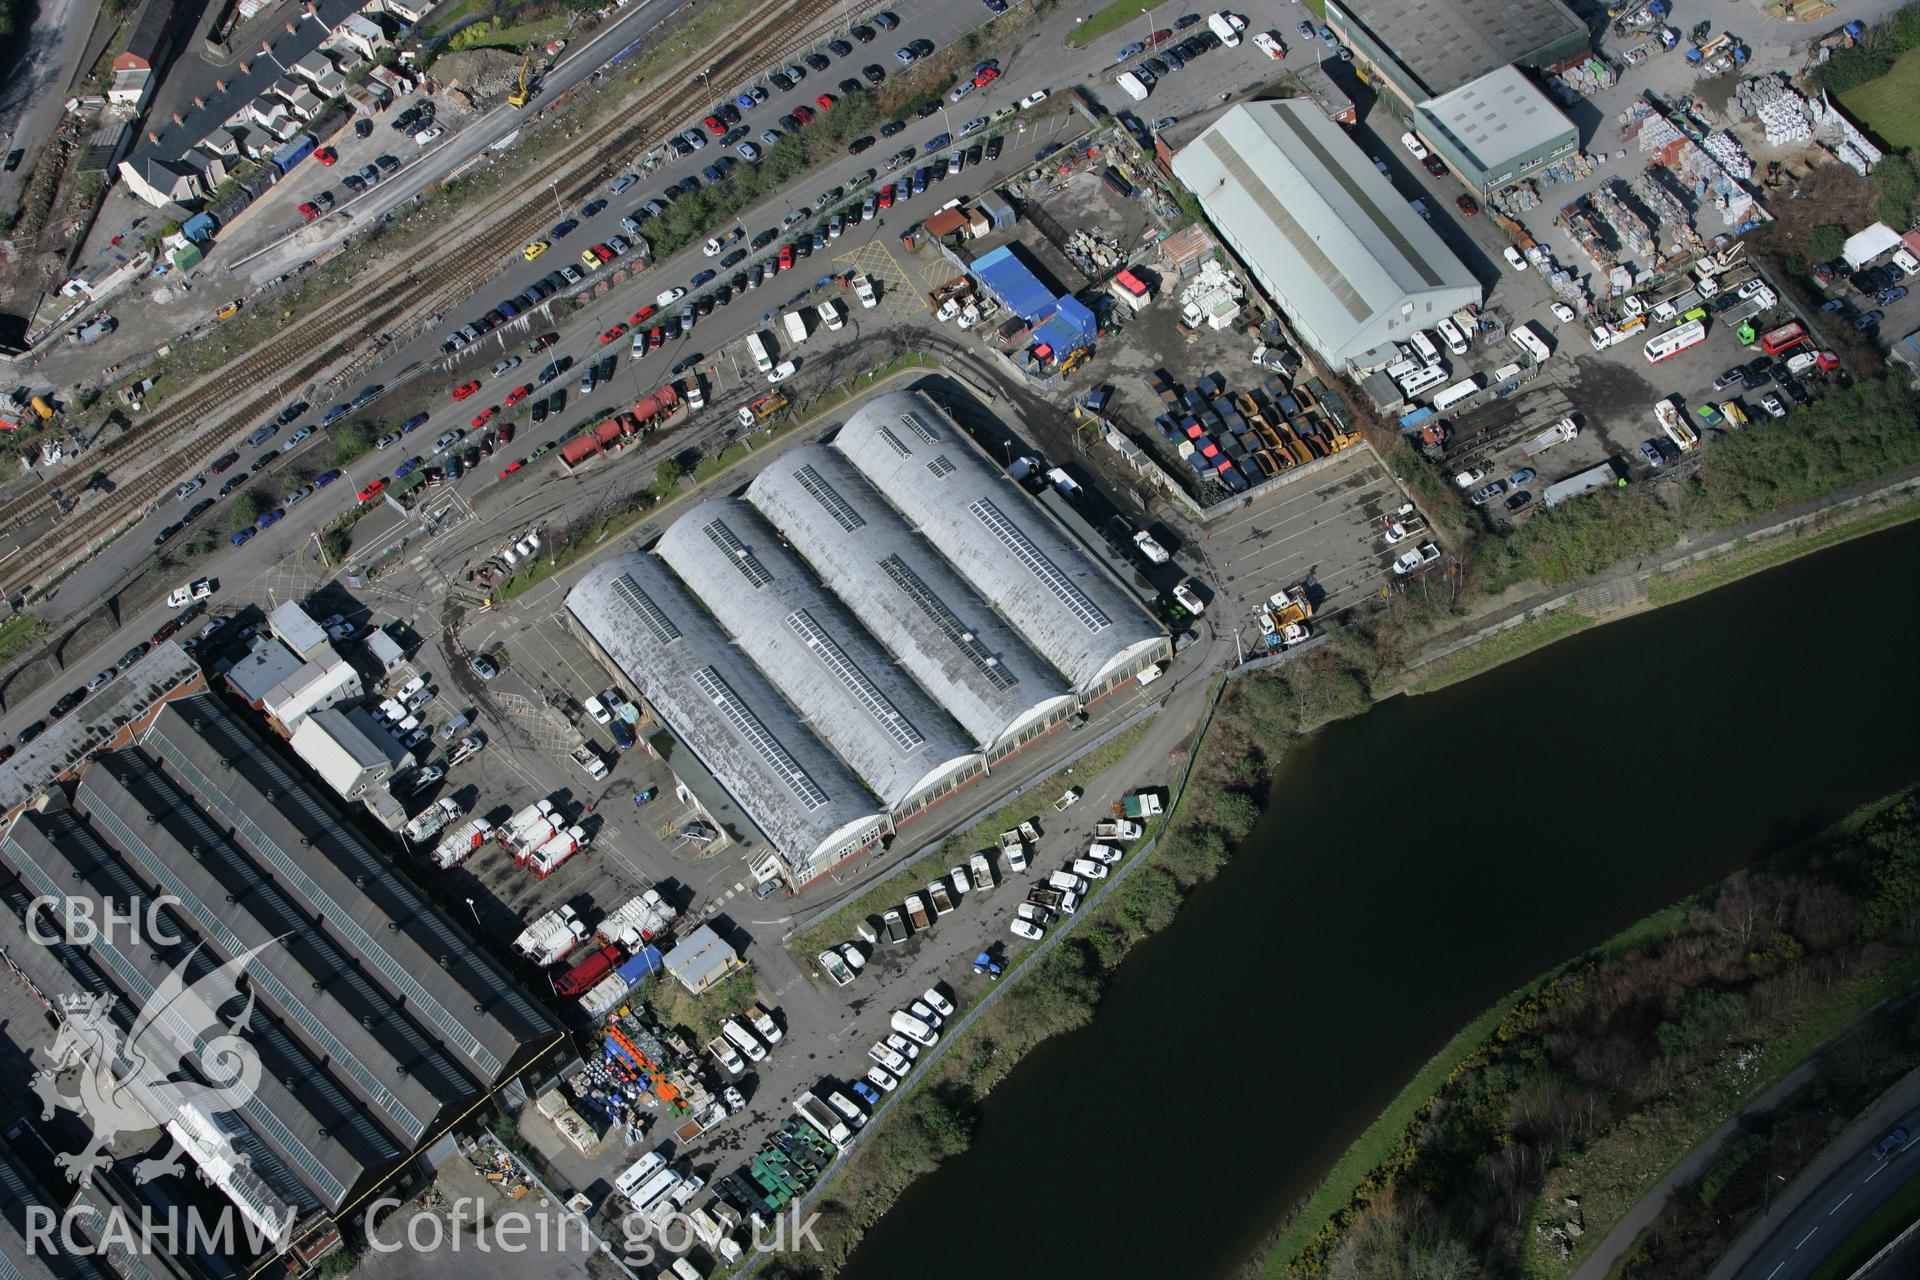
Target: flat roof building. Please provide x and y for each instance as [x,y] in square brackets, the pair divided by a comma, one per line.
[701,959]
[809,806]
[1497,130]
[349,749]
[941,631]
[825,663]
[1324,233]
[1423,49]
[993,535]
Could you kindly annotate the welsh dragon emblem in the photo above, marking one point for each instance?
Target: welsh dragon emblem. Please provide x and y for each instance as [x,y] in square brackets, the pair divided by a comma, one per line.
[154,1072]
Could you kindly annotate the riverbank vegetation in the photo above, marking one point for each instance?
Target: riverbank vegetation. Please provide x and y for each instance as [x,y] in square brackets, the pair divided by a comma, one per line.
[1256,719]
[1599,1077]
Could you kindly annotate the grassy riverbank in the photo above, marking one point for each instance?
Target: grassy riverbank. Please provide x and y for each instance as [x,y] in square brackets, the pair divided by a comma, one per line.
[1557,1111]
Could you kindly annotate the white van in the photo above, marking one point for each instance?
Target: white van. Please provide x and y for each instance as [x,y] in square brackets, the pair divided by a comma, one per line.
[757,348]
[833,315]
[1133,86]
[1424,345]
[1529,342]
[598,710]
[1459,391]
[1451,335]
[1425,380]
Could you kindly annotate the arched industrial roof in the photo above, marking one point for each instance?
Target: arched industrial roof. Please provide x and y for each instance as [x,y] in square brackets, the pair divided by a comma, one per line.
[807,644]
[745,734]
[942,632]
[990,531]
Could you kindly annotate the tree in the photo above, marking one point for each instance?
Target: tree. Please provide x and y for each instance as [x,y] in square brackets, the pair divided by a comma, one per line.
[352,439]
[1825,242]
[667,475]
[248,506]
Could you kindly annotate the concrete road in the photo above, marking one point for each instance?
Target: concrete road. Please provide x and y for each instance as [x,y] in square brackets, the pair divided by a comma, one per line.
[31,98]
[1836,1194]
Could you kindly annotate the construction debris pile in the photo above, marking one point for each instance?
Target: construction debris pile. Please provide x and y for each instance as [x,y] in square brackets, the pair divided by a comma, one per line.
[497,1165]
[1094,252]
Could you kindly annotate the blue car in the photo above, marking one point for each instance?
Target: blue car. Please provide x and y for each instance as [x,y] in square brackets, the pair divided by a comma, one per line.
[703,277]
[868,1094]
[268,520]
[937,141]
[369,394]
[414,423]
[334,415]
[408,467]
[240,538]
[560,229]
[325,478]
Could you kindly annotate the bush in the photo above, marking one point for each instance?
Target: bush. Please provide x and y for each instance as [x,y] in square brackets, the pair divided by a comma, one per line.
[1825,243]
[354,439]
[247,508]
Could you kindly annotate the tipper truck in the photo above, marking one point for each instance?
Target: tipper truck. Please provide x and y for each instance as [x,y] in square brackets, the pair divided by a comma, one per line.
[824,1118]
[982,871]
[942,902]
[917,912]
[1116,829]
[1143,804]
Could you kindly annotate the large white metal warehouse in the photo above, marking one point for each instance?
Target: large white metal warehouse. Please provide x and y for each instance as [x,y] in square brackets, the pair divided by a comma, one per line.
[1072,614]
[938,627]
[806,643]
[1325,234]
[806,802]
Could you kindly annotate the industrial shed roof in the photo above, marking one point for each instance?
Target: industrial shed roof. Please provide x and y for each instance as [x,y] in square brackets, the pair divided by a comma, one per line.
[1003,271]
[1327,235]
[1445,43]
[319,1135]
[939,628]
[722,709]
[809,646]
[1499,118]
[290,831]
[990,531]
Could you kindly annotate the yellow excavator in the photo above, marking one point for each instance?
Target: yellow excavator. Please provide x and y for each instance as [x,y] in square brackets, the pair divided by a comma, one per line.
[522,91]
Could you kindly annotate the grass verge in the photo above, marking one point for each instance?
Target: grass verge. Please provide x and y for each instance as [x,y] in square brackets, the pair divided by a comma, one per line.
[1885,105]
[1495,650]
[1668,588]
[838,927]
[1111,19]
[18,634]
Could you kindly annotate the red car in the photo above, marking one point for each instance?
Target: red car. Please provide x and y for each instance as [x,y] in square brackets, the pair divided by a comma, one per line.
[506,433]
[613,334]
[221,464]
[373,491]
[886,197]
[715,125]
[512,467]
[308,210]
[466,389]
[640,316]
[803,114]
[985,78]
[326,155]
[603,253]
[480,419]
[654,338]
[1468,205]
[520,393]
[786,257]
[825,101]
[167,628]
[542,342]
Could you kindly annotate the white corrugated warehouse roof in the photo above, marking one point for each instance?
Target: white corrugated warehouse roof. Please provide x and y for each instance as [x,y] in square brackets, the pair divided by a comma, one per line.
[810,648]
[1498,118]
[1328,237]
[996,538]
[799,793]
[940,629]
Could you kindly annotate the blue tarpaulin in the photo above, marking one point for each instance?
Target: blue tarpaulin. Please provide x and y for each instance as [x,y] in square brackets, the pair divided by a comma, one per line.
[644,961]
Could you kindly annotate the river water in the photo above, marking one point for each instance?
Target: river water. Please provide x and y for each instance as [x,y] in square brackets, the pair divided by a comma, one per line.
[1414,865]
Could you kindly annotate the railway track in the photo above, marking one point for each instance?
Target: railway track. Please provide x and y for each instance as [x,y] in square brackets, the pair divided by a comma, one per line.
[176,442]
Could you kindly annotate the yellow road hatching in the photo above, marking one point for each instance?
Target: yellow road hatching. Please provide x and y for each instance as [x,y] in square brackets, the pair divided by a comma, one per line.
[877,260]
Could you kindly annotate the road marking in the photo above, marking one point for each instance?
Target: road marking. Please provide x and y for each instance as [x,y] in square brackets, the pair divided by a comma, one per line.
[1876,1173]
[1806,1237]
[1776,1271]
[1843,1200]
